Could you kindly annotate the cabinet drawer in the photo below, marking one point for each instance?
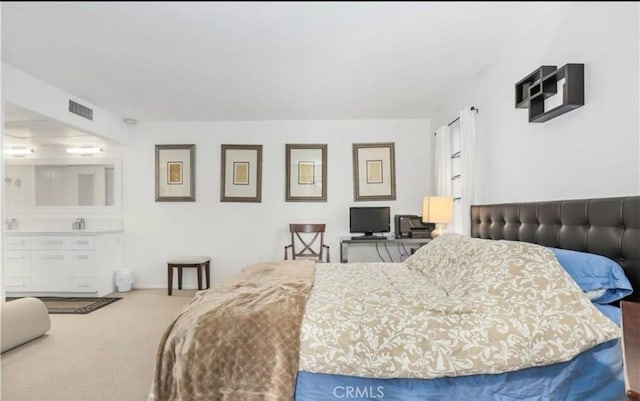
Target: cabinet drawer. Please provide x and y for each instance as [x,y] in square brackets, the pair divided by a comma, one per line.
[81,243]
[53,258]
[17,284]
[51,243]
[17,243]
[17,264]
[82,263]
[83,285]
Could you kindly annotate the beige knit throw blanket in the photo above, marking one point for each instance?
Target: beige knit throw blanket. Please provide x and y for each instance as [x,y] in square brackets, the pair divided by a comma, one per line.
[238,341]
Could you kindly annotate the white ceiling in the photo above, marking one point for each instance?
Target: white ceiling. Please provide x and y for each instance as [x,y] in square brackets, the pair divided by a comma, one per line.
[261,61]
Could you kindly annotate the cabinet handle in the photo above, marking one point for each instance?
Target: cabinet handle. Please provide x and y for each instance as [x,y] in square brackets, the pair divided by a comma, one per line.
[14,257]
[83,257]
[83,242]
[82,285]
[54,242]
[16,285]
[52,257]
[12,243]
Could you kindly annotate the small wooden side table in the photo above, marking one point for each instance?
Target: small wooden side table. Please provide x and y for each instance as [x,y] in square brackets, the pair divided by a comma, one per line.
[198,262]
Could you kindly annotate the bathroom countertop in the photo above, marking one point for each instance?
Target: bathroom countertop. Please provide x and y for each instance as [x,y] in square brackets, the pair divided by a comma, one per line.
[50,232]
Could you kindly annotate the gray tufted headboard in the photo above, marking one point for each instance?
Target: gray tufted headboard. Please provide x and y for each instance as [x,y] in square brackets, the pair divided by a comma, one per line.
[606,226]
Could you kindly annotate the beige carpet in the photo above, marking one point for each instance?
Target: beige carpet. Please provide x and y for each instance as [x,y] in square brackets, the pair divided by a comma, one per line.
[106,355]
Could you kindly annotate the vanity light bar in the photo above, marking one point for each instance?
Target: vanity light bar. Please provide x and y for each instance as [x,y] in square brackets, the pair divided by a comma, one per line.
[84,151]
[17,151]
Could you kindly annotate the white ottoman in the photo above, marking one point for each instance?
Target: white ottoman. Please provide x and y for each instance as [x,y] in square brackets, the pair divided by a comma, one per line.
[23,320]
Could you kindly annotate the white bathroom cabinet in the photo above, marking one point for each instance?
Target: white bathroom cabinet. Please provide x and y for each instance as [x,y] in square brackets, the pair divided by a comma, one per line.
[78,263]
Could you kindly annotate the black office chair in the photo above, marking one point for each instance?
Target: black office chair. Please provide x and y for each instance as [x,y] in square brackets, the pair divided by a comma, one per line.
[303,238]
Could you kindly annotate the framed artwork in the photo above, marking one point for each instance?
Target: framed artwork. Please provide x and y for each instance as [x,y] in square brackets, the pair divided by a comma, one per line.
[374,171]
[241,173]
[175,173]
[306,178]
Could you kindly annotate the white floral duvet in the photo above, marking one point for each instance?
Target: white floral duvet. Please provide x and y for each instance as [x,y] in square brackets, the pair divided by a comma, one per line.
[459,306]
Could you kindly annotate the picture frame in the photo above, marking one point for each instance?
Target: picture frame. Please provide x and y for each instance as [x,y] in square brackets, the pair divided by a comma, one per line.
[175,173]
[241,173]
[374,171]
[306,172]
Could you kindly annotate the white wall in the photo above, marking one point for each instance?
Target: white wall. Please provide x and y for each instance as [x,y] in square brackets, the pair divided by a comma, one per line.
[2,213]
[235,234]
[589,152]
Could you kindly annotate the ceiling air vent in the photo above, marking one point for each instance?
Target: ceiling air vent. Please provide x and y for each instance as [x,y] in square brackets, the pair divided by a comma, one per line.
[82,111]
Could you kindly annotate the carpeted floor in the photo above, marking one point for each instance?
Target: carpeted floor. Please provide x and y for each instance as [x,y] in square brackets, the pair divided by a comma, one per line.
[106,355]
[75,306]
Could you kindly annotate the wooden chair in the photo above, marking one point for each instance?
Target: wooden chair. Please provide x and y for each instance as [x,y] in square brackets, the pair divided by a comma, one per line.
[631,348]
[306,235]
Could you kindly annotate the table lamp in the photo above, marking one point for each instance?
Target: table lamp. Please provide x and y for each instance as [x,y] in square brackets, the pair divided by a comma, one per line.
[439,210]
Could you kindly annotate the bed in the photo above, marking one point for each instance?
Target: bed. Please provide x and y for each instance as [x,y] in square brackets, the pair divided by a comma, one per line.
[384,332]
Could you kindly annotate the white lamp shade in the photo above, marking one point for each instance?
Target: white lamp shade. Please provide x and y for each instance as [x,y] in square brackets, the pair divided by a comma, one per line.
[437,209]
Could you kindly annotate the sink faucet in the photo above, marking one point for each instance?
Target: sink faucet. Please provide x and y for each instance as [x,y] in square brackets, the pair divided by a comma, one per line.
[11,224]
[79,224]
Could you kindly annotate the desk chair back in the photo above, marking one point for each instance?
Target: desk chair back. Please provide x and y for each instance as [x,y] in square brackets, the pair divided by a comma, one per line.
[304,242]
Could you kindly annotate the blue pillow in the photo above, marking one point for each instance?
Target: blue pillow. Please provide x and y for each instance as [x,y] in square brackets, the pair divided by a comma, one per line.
[595,272]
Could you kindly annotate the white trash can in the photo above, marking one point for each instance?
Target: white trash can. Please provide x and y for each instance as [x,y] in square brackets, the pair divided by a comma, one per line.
[124,279]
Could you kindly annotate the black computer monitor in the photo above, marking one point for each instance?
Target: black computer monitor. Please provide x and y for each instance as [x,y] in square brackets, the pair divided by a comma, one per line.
[369,220]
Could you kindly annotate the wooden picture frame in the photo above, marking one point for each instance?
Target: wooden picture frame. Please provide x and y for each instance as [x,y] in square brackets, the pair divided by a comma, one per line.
[306,172]
[374,171]
[175,173]
[241,173]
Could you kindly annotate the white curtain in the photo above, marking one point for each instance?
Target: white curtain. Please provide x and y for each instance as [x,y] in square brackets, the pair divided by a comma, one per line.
[468,166]
[443,161]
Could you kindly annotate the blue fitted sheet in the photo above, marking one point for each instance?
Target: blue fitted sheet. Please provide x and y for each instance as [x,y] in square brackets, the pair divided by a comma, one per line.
[594,375]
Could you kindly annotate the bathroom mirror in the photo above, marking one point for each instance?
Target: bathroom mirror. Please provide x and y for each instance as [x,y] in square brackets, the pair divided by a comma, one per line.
[82,185]
[44,186]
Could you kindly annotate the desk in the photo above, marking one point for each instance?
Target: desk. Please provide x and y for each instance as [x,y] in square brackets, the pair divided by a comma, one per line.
[345,241]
